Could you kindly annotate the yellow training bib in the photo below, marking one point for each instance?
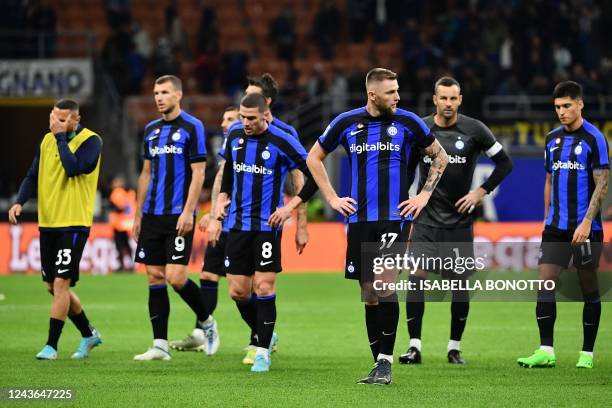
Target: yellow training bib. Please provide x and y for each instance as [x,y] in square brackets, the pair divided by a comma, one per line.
[65,201]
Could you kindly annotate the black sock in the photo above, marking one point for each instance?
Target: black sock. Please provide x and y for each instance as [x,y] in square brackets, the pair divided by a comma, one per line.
[210,292]
[266,319]
[460,308]
[55,330]
[415,308]
[248,311]
[591,314]
[388,316]
[159,310]
[81,323]
[546,313]
[190,293]
[371,318]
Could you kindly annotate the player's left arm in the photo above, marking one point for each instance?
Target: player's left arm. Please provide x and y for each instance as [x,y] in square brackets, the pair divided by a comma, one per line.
[503,166]
[197,158]
[83,160]
[600,176]
[295,155]
[184,224]
[439,161]
[600,165]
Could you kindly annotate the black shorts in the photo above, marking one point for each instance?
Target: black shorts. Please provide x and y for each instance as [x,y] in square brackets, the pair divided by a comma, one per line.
[159,244]
[250,251]
[60,254]
[213,258]
[368,240]
[438,248]
[557,249]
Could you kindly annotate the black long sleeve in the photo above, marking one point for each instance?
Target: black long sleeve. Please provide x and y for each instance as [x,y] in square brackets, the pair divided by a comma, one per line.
[29,185]
[310,186]
[503,167]
[82,161]
[227,182]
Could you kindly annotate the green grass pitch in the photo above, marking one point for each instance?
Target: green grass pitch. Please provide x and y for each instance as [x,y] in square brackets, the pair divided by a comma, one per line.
[322,351]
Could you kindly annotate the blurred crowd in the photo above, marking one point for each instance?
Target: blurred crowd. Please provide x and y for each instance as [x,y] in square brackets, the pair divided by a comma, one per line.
[493,47]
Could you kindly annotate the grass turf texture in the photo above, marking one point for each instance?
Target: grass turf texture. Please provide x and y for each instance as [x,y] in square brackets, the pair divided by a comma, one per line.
[322,351]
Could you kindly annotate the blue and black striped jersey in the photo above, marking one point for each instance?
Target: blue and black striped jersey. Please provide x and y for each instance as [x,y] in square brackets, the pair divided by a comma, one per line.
[379,150]
[172,146]
[260,165]
[570,158]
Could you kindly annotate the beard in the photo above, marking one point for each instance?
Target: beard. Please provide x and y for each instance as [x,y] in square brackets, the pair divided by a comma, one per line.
[386,110]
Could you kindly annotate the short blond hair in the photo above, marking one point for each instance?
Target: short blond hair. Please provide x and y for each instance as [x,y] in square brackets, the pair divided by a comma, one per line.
[379,75]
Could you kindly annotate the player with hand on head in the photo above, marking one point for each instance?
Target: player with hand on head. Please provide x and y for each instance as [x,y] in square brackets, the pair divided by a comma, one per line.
[576,160]
[378,139]
[445,227]
[168,189]
[258,158]
[64,173]
[213,268]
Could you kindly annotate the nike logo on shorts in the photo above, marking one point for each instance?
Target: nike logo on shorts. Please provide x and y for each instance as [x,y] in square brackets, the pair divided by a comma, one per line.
[174,257]
[60,271]
[262,263]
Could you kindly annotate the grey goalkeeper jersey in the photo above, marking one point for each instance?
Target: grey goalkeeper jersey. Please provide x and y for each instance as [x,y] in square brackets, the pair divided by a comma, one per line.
[463,142]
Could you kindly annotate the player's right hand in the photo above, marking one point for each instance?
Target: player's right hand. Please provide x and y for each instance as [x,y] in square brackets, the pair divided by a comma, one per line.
[55,126]
[136,227]
[345,205]
[213,231]
[14,212]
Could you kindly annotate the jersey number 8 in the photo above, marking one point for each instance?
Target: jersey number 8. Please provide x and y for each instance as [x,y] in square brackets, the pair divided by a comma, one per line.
[266,250]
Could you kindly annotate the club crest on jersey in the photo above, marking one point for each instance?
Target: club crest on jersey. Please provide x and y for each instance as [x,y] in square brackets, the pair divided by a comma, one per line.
[240,141]
[392,131]
[558,140]
[157,131]
[578,150]
[459,144]
[176,136]
[360,125]
[265,155]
